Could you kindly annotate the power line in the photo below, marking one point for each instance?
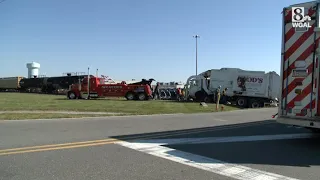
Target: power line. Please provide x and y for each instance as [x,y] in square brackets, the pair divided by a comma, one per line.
[2,1]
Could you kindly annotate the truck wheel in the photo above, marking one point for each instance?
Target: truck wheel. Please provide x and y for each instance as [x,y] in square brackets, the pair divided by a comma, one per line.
[162,94]
[142,96]
[242,102]
[199,96]
[254,104]
[207,99]
[129,96]
[72,95]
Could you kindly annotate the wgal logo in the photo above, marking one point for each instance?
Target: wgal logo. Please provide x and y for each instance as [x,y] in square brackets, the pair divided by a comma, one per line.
[299,20]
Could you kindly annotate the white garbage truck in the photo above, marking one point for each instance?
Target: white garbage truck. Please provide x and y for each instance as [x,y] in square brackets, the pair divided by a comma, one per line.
[299,98]
[251,89]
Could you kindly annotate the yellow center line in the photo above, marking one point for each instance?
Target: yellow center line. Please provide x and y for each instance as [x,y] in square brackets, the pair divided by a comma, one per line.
[54,145]
[57,148]
[112,140]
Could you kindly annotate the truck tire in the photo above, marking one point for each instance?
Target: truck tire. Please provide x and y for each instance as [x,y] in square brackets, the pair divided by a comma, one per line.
[162,94]
[242,102]
[72,95]
[142,96]
[199,96]
[130,96]
[254,103]
[207,99]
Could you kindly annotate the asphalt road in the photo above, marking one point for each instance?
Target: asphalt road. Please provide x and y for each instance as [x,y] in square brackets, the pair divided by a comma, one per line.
[179,147]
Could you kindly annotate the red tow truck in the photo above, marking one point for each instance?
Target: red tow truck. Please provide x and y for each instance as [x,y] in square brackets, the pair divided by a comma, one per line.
[98,89]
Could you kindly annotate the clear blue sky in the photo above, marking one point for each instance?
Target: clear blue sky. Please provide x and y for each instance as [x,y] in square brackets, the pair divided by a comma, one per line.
[128,39]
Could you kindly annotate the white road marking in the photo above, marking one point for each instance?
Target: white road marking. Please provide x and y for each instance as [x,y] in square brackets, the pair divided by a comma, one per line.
[212,165]
[154,147]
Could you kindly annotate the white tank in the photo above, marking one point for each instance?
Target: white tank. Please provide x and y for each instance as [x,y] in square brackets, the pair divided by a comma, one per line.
[33,69]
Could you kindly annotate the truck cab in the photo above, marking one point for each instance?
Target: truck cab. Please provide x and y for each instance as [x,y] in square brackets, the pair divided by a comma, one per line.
[80,90]
[197,88]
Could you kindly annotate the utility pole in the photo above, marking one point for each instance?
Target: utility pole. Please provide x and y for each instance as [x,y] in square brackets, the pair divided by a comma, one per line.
[196,36]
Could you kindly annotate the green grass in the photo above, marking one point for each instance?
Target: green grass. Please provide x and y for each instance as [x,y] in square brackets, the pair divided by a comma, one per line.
[19,116]
[22,101]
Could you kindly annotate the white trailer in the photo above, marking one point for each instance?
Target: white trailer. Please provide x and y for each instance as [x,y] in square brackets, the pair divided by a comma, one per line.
[245,88]
[299,100]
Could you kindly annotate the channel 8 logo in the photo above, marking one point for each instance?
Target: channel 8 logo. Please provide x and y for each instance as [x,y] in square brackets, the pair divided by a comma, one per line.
[297,14]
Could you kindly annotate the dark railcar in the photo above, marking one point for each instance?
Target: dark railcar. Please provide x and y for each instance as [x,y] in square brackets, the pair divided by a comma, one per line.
[62,82]
[49,84]
[32,83]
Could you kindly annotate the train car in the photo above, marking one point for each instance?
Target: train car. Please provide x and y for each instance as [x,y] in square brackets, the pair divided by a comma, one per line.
[49,85]
[10,83]
[33,84]
[62,82]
